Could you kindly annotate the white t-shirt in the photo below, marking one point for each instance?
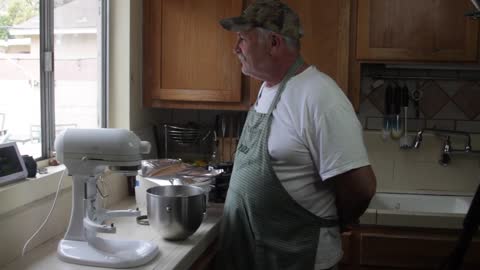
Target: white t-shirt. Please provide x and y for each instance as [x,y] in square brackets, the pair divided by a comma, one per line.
[314,135]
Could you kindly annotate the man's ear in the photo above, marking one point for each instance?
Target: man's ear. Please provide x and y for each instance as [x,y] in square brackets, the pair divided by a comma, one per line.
[274,40]
[277,44]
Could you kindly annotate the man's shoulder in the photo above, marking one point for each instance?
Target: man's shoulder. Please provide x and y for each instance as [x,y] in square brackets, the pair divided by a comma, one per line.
[315,93]
[313,85]
[312,73]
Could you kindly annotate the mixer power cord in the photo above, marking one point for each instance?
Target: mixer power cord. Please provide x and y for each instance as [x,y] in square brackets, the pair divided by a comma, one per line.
[48,216]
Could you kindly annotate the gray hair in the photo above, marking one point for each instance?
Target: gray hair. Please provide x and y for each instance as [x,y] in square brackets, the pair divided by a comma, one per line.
[292,44]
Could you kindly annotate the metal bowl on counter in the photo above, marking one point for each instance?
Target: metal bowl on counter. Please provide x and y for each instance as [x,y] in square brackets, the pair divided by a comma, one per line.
[144,183]
[176,212]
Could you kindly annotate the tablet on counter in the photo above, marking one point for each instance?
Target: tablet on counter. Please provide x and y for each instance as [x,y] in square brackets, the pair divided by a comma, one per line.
[12,166]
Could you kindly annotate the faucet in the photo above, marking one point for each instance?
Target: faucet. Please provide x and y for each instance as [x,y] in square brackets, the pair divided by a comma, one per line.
[447,149]
[419,137]
[445,155]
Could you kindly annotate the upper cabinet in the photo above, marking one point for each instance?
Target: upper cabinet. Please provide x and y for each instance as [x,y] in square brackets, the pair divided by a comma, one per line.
[326,26]
[188,59]
[416,30]
[187,56]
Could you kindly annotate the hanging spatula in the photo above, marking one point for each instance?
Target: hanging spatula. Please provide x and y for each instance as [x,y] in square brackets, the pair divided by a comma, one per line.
[405,141]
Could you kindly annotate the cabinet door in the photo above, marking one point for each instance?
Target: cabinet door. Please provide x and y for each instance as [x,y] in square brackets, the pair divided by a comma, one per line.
[187,55]
[346,246]
[412,250]
[325,43]
[416,30]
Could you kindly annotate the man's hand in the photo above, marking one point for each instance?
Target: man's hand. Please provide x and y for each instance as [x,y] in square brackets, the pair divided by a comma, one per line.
[354,190]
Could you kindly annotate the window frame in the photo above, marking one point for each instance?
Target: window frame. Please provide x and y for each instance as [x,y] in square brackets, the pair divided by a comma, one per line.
[47,71]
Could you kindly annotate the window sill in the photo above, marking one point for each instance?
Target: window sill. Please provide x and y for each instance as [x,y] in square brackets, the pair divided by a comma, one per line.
[26,191]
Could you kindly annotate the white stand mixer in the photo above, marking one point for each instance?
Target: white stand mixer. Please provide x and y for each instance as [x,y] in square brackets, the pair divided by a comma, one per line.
[87,153]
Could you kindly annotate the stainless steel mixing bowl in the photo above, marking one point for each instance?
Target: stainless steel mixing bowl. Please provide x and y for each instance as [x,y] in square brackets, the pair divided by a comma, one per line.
[176,212]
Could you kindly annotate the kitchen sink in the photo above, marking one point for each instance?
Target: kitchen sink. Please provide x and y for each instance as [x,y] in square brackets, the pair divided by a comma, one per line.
[445,204]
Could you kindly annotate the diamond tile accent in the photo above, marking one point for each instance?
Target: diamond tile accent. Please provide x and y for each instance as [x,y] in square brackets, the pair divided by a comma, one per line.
[450,87]
[363,97]
[450,104]
[368,109]
[366,85]
[468,98]
[377,98]
[433,99]
[451,111]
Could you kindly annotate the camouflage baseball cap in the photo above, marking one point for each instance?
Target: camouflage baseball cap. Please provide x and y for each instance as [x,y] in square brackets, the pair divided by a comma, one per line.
[271,15]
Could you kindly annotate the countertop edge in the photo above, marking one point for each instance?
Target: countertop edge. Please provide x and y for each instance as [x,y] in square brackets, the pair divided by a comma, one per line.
[174,255]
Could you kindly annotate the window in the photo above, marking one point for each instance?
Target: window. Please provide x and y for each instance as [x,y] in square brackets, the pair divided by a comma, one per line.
[53,66]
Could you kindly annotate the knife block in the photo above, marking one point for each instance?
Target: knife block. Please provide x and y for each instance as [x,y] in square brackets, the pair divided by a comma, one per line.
[226,148]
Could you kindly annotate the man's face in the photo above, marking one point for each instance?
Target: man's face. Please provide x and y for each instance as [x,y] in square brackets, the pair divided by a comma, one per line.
[252,51]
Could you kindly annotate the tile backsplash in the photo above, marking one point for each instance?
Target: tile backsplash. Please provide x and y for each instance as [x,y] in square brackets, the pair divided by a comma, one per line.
[450,99]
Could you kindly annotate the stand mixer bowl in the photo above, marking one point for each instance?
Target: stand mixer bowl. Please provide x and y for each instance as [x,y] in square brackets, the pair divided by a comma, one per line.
[176,212]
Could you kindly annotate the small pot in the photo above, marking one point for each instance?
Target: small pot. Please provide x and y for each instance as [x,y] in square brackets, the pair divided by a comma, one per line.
[225,166]
[176,212]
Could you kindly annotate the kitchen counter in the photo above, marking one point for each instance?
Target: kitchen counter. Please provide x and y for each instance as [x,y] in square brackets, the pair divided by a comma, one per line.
[415,209]
[182,254]
[412,219]
[173,254]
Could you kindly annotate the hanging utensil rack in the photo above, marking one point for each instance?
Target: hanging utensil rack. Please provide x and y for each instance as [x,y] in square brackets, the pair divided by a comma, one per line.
[183,136]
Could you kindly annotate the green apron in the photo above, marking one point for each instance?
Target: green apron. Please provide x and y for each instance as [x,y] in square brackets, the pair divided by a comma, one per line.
[263,227]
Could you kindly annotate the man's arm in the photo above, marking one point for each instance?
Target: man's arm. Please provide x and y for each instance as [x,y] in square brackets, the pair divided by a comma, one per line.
[354,190]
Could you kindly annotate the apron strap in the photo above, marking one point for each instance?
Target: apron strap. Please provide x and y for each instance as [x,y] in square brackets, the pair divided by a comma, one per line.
[290,73]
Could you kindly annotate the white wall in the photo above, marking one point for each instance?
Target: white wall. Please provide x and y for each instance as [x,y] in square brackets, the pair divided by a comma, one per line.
[126,109]
[119,98]
[18,225]
[140,117]
[418,170]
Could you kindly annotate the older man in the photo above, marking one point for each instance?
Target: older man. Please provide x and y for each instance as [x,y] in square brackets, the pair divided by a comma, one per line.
[301,168]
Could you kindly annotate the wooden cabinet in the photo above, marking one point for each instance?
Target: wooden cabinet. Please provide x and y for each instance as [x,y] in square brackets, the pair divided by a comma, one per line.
[188,59]
[347,249]
[416,30]
[378,247]
[187,56]
[326,25]
[386,247]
